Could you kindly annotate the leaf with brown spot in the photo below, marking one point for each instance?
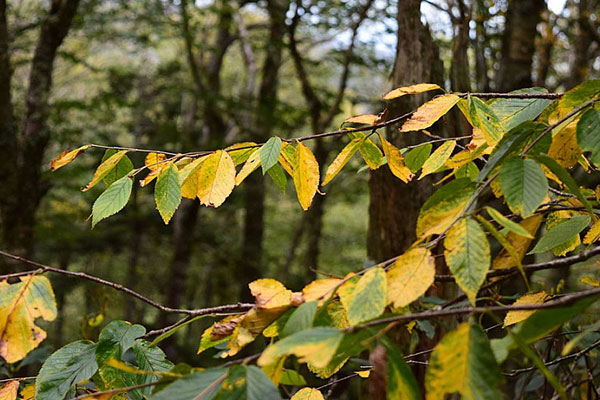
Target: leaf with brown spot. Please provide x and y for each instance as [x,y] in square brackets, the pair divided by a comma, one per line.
[430,112]
[66,157]
[153,160]
[412,89]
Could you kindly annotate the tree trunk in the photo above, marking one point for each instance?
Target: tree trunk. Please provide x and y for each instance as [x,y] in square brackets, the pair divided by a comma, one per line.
[394,206]
[249,267]
[518,44]
[22,187]
[582,43]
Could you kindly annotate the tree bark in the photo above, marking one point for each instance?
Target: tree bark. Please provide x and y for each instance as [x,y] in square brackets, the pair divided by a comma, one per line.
[581,44]
[518,44]
[394,206]
[22,187]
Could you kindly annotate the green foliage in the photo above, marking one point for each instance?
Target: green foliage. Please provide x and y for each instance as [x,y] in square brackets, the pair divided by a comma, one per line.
[167,192]
[561,233]
[112,200]
[523,184]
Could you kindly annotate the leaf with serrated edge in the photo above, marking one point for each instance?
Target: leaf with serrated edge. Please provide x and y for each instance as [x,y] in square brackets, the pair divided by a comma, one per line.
[216,179]
[523,184]
[466,353]
[561,233]
[410,276]
[269,153]
[367,299]
[251,164]
[306,175]
[467,253]
[438,158]
[9,390]
[341,159]
[430,112]
[112,200]
[520,243]
[104,169]
[66,157]
[412,89]
[514,317]
[167,192]
[308,394]
[507,223]
[395,161]
[153,160]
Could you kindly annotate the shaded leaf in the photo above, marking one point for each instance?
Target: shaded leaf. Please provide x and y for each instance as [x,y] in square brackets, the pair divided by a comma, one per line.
[507,223]
[66,157]
[278,176]
[341,159]
[401,383]
[269,153]
[438,158]
[302,318]
[201,385]
[523,184]
[123,167]
[250,166]
[561,233]
[367,299]
[412,89]
[395,161]
[519,243]
[514,317]
[240,156]
[104,168]
[167,192]
[512,112]
[588,134]
[416,157]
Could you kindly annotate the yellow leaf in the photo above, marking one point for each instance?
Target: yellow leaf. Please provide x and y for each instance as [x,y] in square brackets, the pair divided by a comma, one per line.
[438,158]
[105,168]
[366,119]
[66,157]
[306,175]
[307,394]
[104,396]
[151,176]
[395,161]
[20,304]
[465,156]
[363,374]
[564,148]
[519,243]
[153,160]
[270,293]
[28,392]
[593,234]
[318,288]
[252,163]
[216,179]
[412,89]
[479,140]
[514,317]
[341,160]
[274,371]
[588,280]
[188,178]
[240,156]
[430,112]
[410,276]
[9,390]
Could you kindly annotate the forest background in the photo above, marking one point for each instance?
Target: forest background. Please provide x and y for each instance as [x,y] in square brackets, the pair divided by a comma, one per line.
[182,76]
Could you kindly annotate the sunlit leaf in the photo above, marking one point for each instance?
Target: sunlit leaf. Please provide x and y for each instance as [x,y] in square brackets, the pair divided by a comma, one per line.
[341,159]
[112,200]
[507,223]
[20,304]
[105,168]
[9,390]
[153,160]
[306,175]
[430,112]
[593,234]
[483,117]
[463,362]
[269,153]
[364,119]
[270,293]
[66,157]
[367,299]
[467,253]
[216,179]
[251,164]
[240,156]
[564,148]
[123,167]
[395,161]
[438,158]
[188,178]
[514,317]
[512,112]
[412,89]
[318,288]
[308,394]
[410,276]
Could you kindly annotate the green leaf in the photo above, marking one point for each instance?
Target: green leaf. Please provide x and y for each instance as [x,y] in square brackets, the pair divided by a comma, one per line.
[467,252]
[367,298]
[463,362]
[112,200]
[561,233]
[316,345]
[116,338]
[484,118]
[588,134]
[438,158]
[259,386]
[201,385]
[276,173]
[523,184]
[371,154]
[401,383]
[444,206]
[468,170]
[122,168]
[416,157]
[65,368]
[148,358]
[507,223]
[292,378]
[269,153]
[565,178]
[302,318]
[512,112]
[167,192]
